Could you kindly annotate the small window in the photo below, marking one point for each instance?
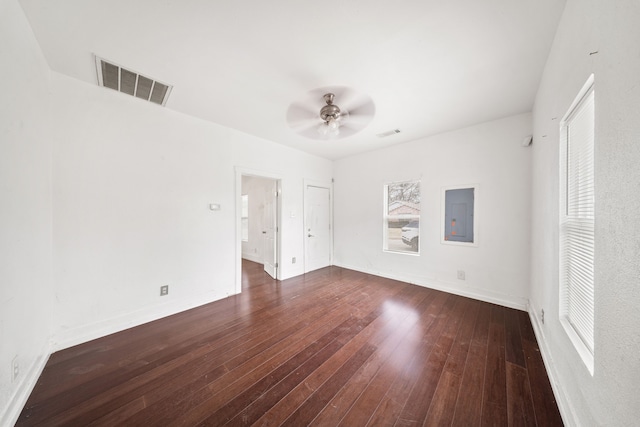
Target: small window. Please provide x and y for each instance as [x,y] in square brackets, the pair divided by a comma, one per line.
[401,229]
[245,217]
[458,215]
[577,220]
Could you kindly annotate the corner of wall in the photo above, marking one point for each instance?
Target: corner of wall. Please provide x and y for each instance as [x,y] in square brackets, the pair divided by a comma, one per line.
[67,338]
[511,301]
[24,388]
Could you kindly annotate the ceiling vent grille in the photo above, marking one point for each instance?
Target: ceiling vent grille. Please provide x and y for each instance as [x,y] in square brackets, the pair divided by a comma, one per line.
[388,133]
[115,77]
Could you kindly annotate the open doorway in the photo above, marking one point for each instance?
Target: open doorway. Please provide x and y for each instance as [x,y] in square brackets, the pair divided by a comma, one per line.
[258,219]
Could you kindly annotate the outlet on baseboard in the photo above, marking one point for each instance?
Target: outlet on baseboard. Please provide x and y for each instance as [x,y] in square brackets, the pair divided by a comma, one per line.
[15,369]
[293,260]
[461,275]
[542,316]
[164,290]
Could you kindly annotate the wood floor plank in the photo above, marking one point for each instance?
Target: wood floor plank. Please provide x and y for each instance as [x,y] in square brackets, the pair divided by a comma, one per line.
[419,401]
[91,385]
[360,412]
[392,404]
[520,410]
[362,312]
[227,359]
[331,347]
[544,403]
[396,322]
[198,391]
[514,352]
[442,408]
[495,384]
[469,403]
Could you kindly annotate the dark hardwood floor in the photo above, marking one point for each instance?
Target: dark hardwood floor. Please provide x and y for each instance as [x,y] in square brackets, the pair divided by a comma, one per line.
[333,347]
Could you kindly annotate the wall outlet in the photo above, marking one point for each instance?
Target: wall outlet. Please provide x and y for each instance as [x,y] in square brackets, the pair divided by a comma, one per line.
[15,369]
[164,290]
[461,275]
[542,316]
[293,260]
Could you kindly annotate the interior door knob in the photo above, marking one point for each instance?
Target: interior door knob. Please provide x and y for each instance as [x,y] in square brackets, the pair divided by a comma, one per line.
[310,235]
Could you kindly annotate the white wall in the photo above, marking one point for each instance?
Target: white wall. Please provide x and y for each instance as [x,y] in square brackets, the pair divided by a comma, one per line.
[489,155]
[256,188]
[611,29]
[25,211]
[132,186]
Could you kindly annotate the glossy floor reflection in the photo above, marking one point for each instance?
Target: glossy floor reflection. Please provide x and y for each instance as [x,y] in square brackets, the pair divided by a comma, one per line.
[332,347]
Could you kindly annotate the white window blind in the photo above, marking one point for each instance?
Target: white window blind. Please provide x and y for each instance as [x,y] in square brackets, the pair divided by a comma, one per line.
[577,218]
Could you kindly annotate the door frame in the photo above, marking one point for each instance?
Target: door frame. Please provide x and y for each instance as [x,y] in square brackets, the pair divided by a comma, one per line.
[320,184]
[239,172]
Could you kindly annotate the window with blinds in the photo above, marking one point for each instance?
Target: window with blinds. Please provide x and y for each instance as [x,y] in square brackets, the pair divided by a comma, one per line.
[577,219]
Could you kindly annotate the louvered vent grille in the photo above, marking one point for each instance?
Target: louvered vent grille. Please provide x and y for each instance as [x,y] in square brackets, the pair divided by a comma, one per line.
[131,83]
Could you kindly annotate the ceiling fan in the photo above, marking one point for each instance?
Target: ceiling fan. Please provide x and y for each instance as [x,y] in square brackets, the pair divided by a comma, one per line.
[318,116]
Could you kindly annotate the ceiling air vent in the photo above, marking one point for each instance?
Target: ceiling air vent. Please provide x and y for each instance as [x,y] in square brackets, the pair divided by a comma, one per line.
[129,82]
[388,133]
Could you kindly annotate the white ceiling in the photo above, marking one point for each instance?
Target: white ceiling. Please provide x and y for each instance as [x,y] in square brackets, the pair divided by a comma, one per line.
[429,66]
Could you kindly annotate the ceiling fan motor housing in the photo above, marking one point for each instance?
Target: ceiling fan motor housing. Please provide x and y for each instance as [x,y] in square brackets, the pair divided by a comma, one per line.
[329,111]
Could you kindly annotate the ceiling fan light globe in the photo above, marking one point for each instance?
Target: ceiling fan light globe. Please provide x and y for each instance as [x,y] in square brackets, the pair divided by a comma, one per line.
[323,129]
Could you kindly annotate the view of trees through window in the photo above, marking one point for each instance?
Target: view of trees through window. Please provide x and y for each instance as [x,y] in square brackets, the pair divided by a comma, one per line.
[402,217]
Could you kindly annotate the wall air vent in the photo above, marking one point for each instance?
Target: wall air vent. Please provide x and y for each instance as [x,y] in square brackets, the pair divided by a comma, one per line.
[129,82]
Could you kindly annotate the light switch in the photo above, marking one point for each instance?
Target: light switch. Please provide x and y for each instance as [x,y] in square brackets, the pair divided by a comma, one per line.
[214,206]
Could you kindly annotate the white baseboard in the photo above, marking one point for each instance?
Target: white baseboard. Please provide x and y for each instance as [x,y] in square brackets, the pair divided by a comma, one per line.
[24,388]
[70,337]
[252,257]
[564,406]
[519,303]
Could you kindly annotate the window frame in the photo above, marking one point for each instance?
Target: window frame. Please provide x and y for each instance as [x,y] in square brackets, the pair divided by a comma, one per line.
[386,217]
[582,340]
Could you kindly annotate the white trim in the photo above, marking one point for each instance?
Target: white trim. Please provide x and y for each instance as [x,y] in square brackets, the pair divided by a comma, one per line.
[24,388]
[253,258]
[584,91]
[567,412]
[506,300]
[69,337]
[476,192]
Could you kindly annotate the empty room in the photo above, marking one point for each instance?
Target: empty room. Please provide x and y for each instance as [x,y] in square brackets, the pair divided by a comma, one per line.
[355,213]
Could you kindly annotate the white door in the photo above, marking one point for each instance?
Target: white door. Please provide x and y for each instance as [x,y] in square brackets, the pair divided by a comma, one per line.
[270,230]
[317,228]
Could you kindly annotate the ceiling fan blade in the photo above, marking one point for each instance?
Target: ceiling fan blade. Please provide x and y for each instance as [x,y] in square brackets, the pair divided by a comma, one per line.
[310,131]
[347,130]
[300,114]
[362,106]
